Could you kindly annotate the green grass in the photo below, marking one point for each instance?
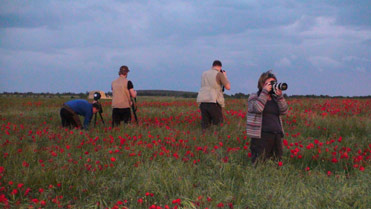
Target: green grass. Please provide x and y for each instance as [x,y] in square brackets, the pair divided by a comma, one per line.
[166,157]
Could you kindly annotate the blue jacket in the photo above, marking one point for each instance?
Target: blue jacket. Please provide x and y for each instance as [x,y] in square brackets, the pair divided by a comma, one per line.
[82,107]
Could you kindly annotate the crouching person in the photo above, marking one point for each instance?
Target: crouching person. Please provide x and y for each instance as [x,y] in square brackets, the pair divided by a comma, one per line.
[264,123]
[71,110]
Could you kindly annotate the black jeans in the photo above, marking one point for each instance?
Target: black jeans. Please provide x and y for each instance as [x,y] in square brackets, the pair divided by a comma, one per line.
[210,113]
[270,144]
[120,114]
[69,118]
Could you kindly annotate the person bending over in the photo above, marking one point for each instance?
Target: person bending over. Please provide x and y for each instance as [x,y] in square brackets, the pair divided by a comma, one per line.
[71,110]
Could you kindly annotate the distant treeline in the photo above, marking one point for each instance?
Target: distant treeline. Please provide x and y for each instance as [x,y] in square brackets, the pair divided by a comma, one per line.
[327,96]
[46,94]
[185,94]
[170,93]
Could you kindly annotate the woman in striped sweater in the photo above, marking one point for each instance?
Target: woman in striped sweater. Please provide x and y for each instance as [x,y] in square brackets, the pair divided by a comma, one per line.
[264,123]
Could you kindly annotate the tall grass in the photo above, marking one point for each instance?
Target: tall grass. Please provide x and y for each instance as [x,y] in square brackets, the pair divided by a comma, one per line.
[166,160]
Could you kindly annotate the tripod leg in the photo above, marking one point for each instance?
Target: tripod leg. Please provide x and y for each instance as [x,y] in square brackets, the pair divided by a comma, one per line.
[95,119]
[101,117]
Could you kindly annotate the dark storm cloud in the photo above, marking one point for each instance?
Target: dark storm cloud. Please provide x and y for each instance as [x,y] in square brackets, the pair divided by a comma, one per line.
[78,46]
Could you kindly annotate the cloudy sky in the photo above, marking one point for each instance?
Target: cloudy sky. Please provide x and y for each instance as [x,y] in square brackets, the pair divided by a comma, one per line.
[317,47]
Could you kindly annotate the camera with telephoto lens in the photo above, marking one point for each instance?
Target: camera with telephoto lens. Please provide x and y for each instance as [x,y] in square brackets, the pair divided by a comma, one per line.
[280,86]
[97,96]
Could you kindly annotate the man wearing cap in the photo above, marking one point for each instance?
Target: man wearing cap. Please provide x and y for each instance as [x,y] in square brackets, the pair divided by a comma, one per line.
[71,109]
[210,97]
[122,92]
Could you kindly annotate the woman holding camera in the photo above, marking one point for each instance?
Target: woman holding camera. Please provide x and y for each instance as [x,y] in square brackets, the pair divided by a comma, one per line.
[264,123]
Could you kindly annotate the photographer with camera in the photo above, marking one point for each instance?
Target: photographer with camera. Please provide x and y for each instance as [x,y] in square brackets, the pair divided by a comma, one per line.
[71,109]
[210,97]
[264,123]
[122,93]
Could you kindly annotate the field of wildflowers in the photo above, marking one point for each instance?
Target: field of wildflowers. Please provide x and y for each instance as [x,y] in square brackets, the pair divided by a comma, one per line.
[166,162]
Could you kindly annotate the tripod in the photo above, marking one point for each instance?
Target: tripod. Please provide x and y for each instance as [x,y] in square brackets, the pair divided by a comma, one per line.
[134,108]
[95,118]
[96,98]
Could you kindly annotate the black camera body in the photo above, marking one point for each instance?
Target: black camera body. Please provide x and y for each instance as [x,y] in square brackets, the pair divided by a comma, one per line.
[97,96]
[222,71]
[280,86]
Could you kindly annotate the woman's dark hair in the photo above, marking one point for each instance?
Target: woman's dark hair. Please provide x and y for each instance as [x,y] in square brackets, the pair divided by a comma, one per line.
[263,77]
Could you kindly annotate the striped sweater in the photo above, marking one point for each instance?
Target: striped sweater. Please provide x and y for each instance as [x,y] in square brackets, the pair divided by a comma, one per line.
[255,105]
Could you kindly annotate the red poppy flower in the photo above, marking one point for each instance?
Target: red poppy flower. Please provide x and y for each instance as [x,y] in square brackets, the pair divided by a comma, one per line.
[220,205]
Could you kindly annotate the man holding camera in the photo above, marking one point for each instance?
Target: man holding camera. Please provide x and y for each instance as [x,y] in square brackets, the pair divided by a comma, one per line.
[210,97]
[122,92]
[71,109]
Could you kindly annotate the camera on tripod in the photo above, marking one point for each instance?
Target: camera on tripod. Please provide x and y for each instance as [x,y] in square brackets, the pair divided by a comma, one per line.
[97,96]
[280,86]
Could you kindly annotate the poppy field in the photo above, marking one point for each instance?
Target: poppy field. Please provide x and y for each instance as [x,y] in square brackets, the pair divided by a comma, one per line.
[165,161]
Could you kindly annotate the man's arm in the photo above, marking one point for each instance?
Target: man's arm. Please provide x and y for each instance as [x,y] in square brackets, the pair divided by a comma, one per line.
[87,120]
[222,79]
[227,86]
[132,92]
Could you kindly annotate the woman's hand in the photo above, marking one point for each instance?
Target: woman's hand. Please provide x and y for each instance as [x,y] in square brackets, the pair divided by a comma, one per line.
[278,92]
[268,86]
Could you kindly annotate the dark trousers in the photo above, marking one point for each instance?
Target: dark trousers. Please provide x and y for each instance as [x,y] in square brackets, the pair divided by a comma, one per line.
[69,118]
[211,113]
[270,144]
[120,114]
